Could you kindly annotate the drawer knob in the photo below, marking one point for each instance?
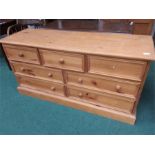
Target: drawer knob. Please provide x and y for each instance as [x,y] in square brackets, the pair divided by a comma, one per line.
[94,82]
[21,55]
[118,88]
[22,69]
[50,74]
[80,95]
[53,88]
[80,80]
[113,67]
[61,61]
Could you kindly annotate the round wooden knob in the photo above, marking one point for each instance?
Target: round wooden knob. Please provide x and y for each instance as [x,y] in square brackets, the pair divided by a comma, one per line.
[94,82]
[53,88]
[21,55]
[61,61]
[80,80]
[22,69]
[118,88]
[50,74]
[80,95]
[113,67]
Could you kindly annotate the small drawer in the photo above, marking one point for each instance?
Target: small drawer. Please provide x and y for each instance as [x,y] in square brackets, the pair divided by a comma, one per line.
[121,68]
[101,99]
[62,60]
[20,53]
[37,71]
[103,83]
[41,85]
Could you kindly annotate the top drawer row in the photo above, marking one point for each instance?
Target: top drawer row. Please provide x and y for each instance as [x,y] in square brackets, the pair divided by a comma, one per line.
[122,68]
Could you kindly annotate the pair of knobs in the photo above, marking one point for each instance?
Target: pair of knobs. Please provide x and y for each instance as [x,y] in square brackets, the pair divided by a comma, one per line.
[81,95]
[118,87]
[81,81]
[49,74]
[61,61]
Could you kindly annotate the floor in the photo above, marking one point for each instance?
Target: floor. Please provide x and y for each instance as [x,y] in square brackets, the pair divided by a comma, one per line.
[26,115]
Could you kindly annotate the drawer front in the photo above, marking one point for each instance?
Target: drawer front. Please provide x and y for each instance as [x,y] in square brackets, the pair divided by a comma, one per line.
[121,87]
[62,60]
[36,71]
[103,100]
[41,85]
[24,54]
[128,69]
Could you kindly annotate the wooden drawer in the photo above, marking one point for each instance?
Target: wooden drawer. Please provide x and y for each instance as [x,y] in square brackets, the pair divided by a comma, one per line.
[62,60]
[37,71]
[20,53]
[121,87]
[101,99]
[128,69]
[41,85]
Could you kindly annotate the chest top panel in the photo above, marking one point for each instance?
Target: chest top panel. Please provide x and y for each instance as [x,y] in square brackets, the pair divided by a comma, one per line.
[95,43]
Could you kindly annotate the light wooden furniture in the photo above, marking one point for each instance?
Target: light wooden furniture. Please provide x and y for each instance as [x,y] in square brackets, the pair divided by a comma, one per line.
[102,73]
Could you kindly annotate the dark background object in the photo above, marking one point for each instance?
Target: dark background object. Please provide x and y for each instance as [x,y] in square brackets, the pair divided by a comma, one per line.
[133,26]
[4,24]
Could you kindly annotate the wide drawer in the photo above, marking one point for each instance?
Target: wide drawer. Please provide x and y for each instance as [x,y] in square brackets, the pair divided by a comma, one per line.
[122,68]
[103,83]
[101,99]
[37,71]
[20,53]
[62,60]
[41,85]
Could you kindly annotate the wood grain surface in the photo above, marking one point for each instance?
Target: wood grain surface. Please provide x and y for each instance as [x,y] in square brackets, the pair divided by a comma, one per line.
[107,44]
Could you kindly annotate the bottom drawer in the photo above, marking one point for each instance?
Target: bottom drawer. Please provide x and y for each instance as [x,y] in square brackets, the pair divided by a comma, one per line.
[101,99]
[46,86]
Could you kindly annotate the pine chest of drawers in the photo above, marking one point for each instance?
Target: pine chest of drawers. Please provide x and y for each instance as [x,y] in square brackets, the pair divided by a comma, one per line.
[102,73]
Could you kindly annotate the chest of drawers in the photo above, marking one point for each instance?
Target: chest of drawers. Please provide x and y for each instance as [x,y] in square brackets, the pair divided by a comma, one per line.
[101,73]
